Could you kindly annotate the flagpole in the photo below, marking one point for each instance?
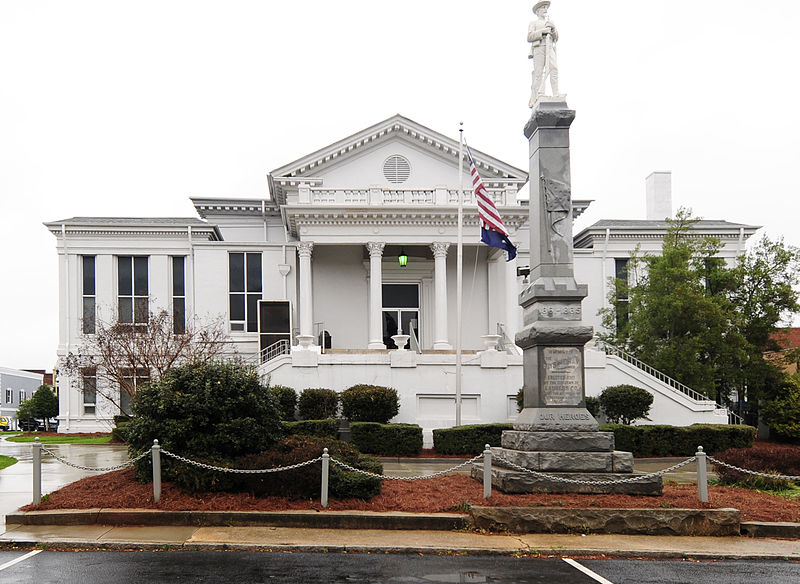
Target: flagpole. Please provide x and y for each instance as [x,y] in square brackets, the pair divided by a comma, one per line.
[459,273]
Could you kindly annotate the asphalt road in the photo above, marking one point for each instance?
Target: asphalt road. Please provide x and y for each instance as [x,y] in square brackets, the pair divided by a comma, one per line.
[92,567]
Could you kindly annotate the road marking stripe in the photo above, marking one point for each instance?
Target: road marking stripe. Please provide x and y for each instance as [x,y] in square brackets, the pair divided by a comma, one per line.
[19,559]
[587,571]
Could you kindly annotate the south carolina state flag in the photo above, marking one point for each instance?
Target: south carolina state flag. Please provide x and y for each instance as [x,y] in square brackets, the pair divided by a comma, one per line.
[493,232]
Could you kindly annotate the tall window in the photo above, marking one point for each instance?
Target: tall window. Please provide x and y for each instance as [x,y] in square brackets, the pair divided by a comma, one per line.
[132,290]
[89,391]
[89,299]
[131,380]
[244,272]
[178,296]
[623,301]
[21,396]
[9,396]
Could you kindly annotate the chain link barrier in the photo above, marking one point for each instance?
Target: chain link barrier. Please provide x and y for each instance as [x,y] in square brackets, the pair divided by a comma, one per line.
[400,478]
[131,462]
[240,470]
[556,478]
[753,472]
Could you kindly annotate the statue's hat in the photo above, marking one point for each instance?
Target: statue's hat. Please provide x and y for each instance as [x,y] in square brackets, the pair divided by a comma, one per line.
[542,4]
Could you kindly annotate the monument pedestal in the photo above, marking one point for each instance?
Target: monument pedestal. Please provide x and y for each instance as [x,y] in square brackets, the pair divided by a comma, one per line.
[555,434]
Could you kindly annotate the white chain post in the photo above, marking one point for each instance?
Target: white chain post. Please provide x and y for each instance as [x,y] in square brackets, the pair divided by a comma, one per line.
[37,471]
[156,454]
[702,475]
[487,472]
[326,460]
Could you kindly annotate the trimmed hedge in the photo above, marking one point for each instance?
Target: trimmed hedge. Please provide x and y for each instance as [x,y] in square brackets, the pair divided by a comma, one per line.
[658,440]
[286,399]
[305,482]
[468,439]
[318,403]
[386,439]
[328,428]
[370,403]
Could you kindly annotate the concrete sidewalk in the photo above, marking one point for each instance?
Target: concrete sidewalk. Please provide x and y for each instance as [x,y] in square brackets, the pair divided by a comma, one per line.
[395,541]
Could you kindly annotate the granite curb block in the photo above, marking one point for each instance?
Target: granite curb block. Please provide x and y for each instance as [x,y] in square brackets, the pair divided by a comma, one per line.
[315,519]
[694,522]
[779,529]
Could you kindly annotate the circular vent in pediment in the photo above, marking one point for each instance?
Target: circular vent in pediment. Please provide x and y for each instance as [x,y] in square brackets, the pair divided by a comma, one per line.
[396,169]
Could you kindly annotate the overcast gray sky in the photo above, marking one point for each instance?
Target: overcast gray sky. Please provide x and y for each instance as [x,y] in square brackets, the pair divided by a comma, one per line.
[114,108]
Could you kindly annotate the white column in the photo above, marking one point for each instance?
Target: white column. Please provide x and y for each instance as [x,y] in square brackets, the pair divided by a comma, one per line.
[306,336]
[439,249]
[375,295]
[512,316]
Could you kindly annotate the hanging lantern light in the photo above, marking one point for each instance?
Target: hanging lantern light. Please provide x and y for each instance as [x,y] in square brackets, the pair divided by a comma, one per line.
[402,258]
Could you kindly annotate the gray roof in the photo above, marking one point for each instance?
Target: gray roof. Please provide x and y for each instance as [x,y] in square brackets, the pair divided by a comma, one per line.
[130,221]
[654,224]
[649,229]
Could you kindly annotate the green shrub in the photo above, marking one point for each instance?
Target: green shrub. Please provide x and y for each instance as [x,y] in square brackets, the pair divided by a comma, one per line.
[120,432]
[370,403]
[468,439]
[305,482]
[783,412]
[209,412]
[386,439]
[593,405]
[780,459]
[318,404]
[286,398]
[323,428]
[625,403]
[520,400]
[661,440]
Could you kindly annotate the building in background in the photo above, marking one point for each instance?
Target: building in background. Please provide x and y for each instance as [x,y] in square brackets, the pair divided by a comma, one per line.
[15,387]
[353,252]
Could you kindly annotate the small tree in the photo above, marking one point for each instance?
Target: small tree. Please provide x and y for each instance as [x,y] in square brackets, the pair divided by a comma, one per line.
[625,403]
[370,403]
[318,403]
[44,404]
[783,412]
[121,355]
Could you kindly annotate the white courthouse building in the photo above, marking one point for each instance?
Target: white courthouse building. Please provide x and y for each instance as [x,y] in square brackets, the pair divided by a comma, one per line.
[309,280]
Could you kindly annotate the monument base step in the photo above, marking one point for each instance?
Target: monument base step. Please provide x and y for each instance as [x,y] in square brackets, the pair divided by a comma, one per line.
[558,441]
[614,461]
[512,481]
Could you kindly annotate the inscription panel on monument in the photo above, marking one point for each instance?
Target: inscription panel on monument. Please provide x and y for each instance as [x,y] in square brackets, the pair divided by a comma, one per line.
[562,376]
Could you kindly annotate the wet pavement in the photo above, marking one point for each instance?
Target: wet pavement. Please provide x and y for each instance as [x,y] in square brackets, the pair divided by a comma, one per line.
[16,481]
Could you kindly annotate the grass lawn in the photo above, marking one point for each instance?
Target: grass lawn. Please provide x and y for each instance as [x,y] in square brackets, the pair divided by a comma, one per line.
[6,461]
[9,432]
[61,439]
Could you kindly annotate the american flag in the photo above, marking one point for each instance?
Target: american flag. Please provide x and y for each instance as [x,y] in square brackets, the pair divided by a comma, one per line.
[493,232]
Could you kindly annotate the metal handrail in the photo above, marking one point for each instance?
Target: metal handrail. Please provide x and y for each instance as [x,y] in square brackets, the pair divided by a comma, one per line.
[673,383]
[505,343]
[274,351]
[413,340]
[664,378]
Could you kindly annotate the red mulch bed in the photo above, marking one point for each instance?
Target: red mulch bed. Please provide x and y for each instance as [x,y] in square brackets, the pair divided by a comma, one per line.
[119,489]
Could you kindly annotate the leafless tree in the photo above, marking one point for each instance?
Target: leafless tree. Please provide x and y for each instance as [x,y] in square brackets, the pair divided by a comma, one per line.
[122,355]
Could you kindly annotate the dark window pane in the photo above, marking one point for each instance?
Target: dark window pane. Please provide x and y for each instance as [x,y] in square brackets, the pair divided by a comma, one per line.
[237,326]
[89,390]
[389,328]
[252,312]
[140,310]
[254,272]
[236,265]
[621,269]
[400,296]
[178,286]
[409,318]
[124,276]
[274,317]
[88,275]
[237,306]
[88,315]
[125,310]
[140,276]
[178,316]
[125,403]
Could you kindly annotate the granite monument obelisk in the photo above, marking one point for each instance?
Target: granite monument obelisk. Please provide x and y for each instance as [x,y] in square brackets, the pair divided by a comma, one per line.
[555,434]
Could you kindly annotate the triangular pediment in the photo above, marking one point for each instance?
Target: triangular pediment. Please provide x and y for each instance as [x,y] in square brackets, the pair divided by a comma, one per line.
[426,159]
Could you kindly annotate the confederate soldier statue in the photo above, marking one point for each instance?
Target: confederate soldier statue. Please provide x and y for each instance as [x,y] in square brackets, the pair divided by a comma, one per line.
[542,35]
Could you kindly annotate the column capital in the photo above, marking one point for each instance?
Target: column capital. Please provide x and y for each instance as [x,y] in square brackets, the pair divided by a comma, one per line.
[304,248]
[439,249]
[375,248]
